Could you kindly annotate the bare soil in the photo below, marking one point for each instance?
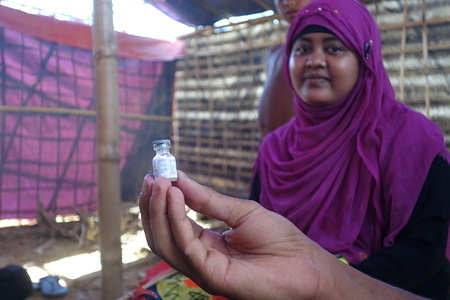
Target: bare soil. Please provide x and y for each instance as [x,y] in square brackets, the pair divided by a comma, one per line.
[39,244]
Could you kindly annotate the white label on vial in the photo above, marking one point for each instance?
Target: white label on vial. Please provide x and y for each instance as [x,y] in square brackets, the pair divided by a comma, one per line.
[165,167]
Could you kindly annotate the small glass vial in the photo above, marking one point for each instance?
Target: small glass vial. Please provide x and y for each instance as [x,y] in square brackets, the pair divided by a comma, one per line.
[164,163]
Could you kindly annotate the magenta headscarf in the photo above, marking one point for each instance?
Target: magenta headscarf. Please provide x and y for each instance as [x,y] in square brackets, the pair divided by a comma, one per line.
[349,175]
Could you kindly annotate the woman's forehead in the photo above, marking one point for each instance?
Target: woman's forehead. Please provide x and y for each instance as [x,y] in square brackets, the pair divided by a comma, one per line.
[317,36]
[315,28]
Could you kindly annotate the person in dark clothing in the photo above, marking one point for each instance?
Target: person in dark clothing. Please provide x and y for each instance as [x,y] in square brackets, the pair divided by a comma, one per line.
[361,174]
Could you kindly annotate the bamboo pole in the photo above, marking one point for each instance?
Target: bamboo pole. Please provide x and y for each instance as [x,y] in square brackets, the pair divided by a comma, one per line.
[108,148]
[426,61]
[80,112]
[402,53]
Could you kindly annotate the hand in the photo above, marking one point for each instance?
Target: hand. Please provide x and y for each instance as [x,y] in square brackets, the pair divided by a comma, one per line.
[260,242]
[262,256]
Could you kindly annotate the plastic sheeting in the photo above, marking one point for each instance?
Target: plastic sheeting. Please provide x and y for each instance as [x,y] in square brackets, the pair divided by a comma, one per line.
[47,112]
[79,36]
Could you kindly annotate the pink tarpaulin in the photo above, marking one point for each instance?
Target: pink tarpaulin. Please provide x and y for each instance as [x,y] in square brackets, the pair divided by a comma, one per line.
[47,110]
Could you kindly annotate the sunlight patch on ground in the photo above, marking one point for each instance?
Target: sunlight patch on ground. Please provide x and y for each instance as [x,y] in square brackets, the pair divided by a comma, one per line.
[30,222]
[134,248]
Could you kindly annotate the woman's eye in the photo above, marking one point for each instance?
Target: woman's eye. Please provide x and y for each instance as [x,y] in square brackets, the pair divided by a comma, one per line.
[300,50]
[334,49]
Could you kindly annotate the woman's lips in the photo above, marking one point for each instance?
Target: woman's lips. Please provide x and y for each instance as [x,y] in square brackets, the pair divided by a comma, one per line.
[315,79]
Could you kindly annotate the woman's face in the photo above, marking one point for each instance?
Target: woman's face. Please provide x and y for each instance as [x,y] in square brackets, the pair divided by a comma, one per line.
[322,69]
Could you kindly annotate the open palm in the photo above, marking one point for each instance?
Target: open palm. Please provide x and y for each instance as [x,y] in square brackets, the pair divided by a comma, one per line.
[257,242]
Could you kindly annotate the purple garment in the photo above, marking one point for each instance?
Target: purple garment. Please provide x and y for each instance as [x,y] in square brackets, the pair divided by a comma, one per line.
[349,174]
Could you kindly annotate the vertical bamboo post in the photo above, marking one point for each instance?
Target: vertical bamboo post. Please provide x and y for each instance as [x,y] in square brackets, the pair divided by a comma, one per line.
[402,52]
[426,61]
[108,151]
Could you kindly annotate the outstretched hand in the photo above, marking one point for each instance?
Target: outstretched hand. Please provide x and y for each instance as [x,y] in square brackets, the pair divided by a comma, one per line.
[262,256]
[259,242]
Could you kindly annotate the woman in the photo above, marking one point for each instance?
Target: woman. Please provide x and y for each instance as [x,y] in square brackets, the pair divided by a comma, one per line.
[361,174]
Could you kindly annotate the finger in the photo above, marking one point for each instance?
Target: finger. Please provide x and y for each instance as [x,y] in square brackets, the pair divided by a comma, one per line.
[177,215]
[159,224]
[195,243]
[144,199]
[164,243]
[208,202]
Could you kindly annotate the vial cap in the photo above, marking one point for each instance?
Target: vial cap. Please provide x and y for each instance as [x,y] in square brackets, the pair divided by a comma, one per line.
[160,142]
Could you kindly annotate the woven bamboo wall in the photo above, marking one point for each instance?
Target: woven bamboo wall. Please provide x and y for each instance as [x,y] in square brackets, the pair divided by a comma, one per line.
[218,84]
[219,81]
[416,40]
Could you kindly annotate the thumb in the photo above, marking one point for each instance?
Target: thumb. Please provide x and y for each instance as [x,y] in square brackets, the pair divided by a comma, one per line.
[213,204]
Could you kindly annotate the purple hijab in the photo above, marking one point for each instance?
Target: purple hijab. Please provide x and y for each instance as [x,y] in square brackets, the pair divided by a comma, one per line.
[349,175]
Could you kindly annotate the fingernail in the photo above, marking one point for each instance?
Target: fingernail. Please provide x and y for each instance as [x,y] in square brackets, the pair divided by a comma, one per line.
[144,188]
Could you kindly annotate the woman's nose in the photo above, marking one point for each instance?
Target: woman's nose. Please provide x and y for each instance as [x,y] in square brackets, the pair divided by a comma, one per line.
[316,60]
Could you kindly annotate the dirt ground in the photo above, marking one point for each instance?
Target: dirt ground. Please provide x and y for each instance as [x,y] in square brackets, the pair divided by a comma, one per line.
[37,245]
